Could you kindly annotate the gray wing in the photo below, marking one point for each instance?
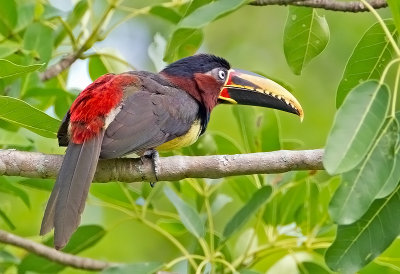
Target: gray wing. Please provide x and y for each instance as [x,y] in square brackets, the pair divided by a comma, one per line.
[147,120]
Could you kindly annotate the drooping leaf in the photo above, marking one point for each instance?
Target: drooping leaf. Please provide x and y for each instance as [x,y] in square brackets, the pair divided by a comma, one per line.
[9,188]
[356,126]
[368,60]
[361,185]
[22,114]
[359,243]
[187,37]
[165,13]
[7,220]
[8,69]
[39,38]
[394,6]
[259,198]
[40,184]
[183,42]
[305,37]
[189,217]
[8,17]
[84,238]
[137,268]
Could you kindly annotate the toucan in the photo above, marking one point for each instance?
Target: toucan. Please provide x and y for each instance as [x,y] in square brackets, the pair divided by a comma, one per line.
[139,111]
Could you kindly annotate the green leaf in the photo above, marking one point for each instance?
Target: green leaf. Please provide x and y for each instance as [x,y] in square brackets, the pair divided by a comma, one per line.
[305,36]
[165,13]
[210,12]
[8,17]
[40,184]
[22,114]
[8,47]
[359,243]
[84,238]
[7,220]
[187,37]
[183,42]
[39,38]
[259,198]
[8,69]
[356,126]
[9,138]
[368,60]
[174,227]
[73,19]
[394,6]
[394,178]
[137,268]
[102,64]
[9,188]
[361,185]
[189,217]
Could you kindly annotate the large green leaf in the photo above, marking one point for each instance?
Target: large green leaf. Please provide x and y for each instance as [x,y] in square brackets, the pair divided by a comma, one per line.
[8,47]
[259,198]
[83,238]
[359,243]
[187,37]
[136,268]
[368,60]
[361,185]
[306,35]
[8,17]
[22,114]
[356,126]
[394,6]
[39,39]
[8,69]
[189,217]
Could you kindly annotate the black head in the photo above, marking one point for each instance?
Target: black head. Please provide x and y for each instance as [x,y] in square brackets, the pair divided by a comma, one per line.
[200,63]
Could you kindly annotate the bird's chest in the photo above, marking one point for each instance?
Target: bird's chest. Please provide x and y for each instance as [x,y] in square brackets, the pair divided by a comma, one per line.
[184,140]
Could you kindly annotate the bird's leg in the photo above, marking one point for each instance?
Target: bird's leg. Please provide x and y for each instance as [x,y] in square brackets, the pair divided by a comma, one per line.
[154,156]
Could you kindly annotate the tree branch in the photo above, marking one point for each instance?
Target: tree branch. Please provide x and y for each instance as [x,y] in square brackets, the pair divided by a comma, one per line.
[59,67]
[334,5]
[52,254]
[38,165]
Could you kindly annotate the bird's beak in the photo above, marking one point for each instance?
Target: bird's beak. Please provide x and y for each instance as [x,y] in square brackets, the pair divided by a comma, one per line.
[247,88]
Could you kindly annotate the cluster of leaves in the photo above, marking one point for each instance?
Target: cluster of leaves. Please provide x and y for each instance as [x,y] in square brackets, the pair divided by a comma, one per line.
[248,224]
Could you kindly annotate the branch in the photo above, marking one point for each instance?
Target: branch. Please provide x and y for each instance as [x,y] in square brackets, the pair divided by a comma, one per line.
[352,6]
[59,67]
[38,165]
[52,254]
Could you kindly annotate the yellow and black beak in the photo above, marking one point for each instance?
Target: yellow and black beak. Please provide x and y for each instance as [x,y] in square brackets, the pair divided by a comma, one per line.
[247,88]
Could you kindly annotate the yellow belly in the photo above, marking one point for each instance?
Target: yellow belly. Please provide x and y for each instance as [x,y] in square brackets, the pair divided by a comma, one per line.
[182,141]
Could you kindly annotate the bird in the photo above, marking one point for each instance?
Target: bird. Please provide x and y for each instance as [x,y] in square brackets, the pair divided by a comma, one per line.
[141,112]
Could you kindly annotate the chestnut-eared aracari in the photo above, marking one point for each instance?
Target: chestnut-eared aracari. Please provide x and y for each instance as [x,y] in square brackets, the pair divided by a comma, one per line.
[138,111]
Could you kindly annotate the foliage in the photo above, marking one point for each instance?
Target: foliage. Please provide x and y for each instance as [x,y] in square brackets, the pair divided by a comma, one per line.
[283,223]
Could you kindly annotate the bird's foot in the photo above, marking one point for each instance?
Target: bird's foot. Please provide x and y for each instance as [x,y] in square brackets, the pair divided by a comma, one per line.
[155,157]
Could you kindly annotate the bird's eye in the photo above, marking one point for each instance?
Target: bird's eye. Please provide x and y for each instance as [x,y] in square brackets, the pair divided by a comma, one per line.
[222,74]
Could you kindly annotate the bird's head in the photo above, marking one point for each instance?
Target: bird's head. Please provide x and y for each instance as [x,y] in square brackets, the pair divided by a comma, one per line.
[211,80]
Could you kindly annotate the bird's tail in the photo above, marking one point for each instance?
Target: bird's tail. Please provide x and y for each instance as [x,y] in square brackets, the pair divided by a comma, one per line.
[67,200]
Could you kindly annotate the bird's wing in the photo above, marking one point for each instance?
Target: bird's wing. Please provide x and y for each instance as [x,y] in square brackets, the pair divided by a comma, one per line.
[147,120]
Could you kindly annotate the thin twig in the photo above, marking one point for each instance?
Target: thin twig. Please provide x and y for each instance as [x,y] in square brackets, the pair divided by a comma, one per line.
[334,5]
[52,254]
[38,165]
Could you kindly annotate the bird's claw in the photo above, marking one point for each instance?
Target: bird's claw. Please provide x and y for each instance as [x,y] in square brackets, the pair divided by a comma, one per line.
[154,156]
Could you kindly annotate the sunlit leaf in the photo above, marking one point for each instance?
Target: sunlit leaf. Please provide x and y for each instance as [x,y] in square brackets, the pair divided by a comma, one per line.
[189,217]
[183,42]
[7,220]
[241,217]
[172,226]
[20,113]
[361,185]
[137,268]
[8,69]
[356,126]
[8,47]
[84,238]
[306,36]
[359,243]
[368,60]
[165,13]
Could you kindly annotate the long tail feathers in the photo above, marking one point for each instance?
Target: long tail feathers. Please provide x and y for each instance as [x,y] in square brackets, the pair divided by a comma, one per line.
[67,200]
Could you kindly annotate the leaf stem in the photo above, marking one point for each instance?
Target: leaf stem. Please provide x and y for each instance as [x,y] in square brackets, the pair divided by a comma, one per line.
[396,87]
[384,27]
